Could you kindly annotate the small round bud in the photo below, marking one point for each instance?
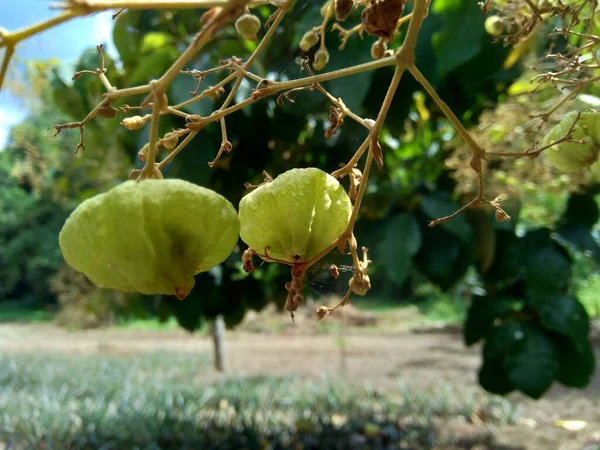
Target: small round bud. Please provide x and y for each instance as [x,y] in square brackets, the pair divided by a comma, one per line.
[360,287]
[247,26]
[170,141]
[143,153]
[134,122]
[321,59]
[309,40]
[494,26]
[378,49]
[335,272]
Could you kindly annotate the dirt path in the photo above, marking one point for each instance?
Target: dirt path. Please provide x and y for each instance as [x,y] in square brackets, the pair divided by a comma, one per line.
[422,359]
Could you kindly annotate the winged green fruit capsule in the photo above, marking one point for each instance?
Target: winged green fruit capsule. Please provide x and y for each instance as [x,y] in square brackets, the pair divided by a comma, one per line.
[571,156]
[150,237]
[296,216]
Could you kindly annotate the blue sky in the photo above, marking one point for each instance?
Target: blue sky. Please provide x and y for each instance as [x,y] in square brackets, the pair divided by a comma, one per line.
[65,41]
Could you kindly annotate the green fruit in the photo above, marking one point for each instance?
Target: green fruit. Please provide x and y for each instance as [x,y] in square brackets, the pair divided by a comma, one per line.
[493,25]
[297,215]
[150,237]
[309,40]
[574,156]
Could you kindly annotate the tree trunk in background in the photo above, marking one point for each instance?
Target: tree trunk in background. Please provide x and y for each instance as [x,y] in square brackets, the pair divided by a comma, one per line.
[217,330]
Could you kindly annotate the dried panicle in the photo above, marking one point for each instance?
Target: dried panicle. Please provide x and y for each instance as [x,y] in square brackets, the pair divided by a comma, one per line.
[247,26]
[321,59]
[309,40]
[336,120]
[107,112]
[143,153]
[378,48]
[322,312]
[169,142]
[380,18]
[134,122]
[343,8]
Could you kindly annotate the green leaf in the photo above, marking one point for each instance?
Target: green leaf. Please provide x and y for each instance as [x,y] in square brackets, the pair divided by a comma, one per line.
[508,258]
[532,369]
[581,237]
[482,314]
[152,65]
[494,378]
[565,315]
[401,240]
[547,265]
[126,36]
[443,257]
[582,209]
[437,206]
[154,40]
[576,364]
[452,48]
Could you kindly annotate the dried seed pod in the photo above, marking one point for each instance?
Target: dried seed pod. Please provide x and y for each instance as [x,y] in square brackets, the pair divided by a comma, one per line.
[343,8]
[107,112]
[170,141]
[247,26]
[574,156]
[150,237]
[296,216]
[309,40]
[378,48]
[322,312]
[381,17]
[321,59]
[143,153]
[494,26]
[134,122]
[360,287]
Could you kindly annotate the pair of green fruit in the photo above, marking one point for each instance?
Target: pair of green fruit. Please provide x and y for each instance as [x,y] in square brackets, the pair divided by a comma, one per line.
[154,236]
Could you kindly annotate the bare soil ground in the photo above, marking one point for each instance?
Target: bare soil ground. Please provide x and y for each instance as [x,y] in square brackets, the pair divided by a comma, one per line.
[420,358]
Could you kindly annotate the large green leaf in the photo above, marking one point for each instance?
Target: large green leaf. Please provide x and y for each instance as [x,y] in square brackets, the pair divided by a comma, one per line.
[532,369]
[576,364]
[482,314]
[401,240]
[452,47]
[127,37]
[508,258]
[565,315]
[494,378]
[547,265]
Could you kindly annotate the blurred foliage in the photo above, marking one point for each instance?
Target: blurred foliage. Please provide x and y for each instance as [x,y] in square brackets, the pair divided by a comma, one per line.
[522,304]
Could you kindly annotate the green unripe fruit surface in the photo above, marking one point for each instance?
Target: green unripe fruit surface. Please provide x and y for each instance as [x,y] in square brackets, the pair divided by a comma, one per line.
[574,156]
[297,215]
[150,237]
[494,26]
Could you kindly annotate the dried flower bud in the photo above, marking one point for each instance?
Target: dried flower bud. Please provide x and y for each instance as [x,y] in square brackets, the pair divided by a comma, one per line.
[381,17]
[494,26]
[143,153]
[343,8]
[360,287]
[501,216]
[335,272]
[134,122]
[247,261]
[170,141]
[107,112]
[322,312]
[247,26]
[309,40]
[321,59]
[296,301]
[378,48]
